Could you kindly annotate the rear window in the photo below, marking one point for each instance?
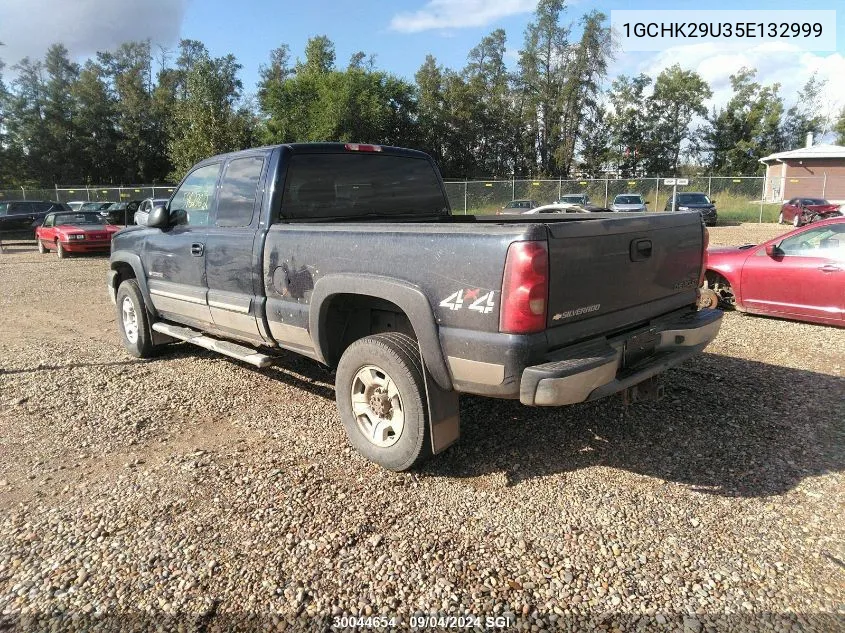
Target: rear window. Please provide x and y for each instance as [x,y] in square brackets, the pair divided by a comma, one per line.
[361,184]
[628,200]
[693,198]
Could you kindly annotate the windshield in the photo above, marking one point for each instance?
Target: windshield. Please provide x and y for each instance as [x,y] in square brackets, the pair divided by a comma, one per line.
[79,218]
[519,204]
[91,206]
[573,198]
[813,201]
[117,206]
[628,200]
[693,198]
[361,184]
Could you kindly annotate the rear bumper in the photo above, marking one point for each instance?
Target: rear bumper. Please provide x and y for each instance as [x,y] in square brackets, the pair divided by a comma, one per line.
[597,369]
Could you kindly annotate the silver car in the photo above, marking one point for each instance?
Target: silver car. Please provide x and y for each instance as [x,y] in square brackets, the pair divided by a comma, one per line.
[146,206]
[629,202]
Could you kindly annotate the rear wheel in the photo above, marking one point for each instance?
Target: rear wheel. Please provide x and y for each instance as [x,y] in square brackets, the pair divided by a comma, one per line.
[380,392]
[133,321]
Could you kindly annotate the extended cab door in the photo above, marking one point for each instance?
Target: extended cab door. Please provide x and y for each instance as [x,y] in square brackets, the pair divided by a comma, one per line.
[174,258]
[232,271]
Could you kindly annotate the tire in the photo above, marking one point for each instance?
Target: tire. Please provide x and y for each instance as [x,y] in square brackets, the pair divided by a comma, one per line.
[138,341]
[60,250]
[780,218]
[796,221]
[41,248]
[391,442]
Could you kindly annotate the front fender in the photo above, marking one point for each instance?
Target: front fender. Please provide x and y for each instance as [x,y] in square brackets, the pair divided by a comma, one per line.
[409,297]
[134,261]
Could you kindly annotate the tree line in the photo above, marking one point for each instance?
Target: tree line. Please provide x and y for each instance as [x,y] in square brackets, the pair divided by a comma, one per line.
[139,115]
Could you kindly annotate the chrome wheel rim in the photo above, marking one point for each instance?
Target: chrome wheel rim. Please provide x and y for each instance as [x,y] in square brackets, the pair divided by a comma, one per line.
[130,320]
[377,406]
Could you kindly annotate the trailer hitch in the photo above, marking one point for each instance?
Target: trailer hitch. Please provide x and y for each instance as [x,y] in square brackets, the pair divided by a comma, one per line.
[650,389]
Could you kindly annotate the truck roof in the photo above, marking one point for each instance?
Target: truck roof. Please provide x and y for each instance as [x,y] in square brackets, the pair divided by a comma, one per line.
[327,148]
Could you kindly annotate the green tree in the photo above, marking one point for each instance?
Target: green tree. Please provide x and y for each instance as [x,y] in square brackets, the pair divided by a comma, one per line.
[678,98]
[839,128]
[629,124]
[806,115]
[209,120]
[95,124]
[27,136]
[596,140]
[59,112]
[431,109]
[542,76]
[584,73]
[736,136]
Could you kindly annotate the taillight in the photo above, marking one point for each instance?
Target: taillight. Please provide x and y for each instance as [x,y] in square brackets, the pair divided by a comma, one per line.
[525,288]
[704,256]
[360,147]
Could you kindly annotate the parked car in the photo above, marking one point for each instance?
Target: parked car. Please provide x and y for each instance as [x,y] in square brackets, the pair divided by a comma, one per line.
[800,275]
[695,201]
[800,211]
[74,232]
[518,206]
[580,200]
[23,216]
[75,205]
[121,212]
[349,254]
[556,208]
[630,202]
[95,206]
[146,206]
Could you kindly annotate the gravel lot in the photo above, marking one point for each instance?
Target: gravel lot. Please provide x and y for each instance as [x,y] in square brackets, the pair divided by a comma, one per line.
[197,493]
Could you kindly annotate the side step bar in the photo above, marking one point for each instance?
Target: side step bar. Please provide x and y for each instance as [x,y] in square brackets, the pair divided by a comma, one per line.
[241,352]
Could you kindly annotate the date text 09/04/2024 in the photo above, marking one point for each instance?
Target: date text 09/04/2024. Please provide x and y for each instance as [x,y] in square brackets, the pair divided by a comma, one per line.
[424,621]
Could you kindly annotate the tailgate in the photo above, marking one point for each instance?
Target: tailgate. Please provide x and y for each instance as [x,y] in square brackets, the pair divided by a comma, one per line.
[618,265]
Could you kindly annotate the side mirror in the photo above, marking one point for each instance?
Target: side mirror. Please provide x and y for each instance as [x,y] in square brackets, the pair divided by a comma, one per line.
[772,250]
[159,218]
[712,201]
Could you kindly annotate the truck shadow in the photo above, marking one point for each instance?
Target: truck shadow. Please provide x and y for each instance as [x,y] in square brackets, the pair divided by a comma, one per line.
[727,426]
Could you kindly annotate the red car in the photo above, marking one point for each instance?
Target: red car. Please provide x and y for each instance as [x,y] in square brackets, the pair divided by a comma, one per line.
[800,211]
[799,275]
[75,232]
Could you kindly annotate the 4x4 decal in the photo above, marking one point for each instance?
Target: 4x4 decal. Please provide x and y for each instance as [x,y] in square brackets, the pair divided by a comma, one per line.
[483,304]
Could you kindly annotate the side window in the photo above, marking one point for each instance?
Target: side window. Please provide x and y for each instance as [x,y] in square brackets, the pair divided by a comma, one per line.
[49,220]
[238,190]
[827,242]
[192,201]
[4,207]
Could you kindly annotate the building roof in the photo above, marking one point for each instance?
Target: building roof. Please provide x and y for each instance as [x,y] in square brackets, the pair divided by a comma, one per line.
[814,151]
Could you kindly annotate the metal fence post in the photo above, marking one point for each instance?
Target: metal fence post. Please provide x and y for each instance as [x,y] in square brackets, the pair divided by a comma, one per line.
[559,188]
[466,184]
[23,192]
[762,197]
[824,184]
[656,192]
[605,192]
[513,187]
[709,186]
[88,193]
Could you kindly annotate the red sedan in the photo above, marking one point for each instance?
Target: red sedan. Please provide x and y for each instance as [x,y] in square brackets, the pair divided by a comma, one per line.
[800,211]
[800,275]
[74,232]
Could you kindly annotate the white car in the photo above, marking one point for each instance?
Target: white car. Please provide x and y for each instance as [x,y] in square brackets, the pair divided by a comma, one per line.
[556,207]
[146,206]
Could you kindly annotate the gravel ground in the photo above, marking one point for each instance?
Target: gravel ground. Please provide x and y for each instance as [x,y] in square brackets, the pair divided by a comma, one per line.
[192,492]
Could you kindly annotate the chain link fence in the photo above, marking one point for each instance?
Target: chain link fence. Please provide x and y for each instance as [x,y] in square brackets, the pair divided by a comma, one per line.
[89,194]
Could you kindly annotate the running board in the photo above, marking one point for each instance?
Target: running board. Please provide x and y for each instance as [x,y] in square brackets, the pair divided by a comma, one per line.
[241,352]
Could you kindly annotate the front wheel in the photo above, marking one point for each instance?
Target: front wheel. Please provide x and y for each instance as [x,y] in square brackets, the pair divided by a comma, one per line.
[41,248]
[60,250]
[380,393]
[780,218]
[133,321]
[796,221]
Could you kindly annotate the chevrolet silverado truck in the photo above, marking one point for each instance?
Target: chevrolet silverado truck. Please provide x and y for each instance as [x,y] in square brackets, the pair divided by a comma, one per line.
[349,254]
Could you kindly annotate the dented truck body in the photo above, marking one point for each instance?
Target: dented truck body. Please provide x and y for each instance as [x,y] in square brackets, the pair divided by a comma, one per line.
[328,244]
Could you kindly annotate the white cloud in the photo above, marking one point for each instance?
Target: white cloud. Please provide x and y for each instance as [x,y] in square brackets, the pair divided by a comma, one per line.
[775,63]
[457,14]
[29,27]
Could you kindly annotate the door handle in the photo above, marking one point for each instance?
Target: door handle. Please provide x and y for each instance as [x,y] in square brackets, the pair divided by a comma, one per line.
[197,249]
[829,268]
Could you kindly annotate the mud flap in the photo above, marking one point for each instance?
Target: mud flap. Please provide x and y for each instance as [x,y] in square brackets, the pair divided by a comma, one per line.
[444,416]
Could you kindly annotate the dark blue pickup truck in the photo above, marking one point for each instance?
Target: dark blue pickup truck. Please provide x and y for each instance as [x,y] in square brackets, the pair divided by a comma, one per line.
[349,254]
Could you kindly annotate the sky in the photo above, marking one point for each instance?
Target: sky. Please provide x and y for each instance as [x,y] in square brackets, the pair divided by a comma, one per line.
[400,33]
